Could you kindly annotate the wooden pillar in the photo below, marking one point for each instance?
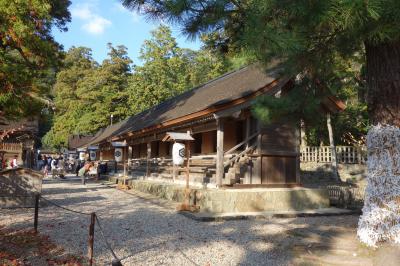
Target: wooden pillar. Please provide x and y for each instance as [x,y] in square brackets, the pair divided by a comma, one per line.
[148,159]
[248,130]
[220,152]
[332,146]
[259,136]
[303,139]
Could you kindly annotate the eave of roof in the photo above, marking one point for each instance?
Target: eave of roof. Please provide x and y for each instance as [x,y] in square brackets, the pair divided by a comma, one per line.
[171,111]
[277,83]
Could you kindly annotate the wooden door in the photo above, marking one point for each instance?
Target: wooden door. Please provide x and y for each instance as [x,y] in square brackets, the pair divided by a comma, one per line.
[278,169]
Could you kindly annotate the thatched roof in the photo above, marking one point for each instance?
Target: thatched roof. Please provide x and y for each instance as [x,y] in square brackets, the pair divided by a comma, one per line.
[219,91]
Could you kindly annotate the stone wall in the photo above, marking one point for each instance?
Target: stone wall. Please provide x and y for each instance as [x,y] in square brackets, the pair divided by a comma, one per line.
[238,200]
[317,173]
[18,187]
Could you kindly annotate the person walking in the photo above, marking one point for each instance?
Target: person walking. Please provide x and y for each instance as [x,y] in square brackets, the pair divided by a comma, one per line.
[14,162]
[85,169]
[61,163]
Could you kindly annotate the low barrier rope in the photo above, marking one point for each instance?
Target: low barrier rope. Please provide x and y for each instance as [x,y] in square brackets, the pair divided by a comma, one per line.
[175,246]
[108,246]
[67,209]
[105,239]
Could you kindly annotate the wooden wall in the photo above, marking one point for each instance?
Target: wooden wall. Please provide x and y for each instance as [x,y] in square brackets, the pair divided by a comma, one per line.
[208,142]
[279,150]
[107,154]
[163,149]
[230,138]
[136,151]
[143,150]
[154,149]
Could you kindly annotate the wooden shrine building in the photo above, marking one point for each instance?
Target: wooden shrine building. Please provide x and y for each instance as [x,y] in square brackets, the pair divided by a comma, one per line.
[18,140]
[230,147]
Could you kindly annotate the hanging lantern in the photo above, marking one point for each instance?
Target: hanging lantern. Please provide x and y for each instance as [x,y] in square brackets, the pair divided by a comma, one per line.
[92,155]
[118,154]
[178,153]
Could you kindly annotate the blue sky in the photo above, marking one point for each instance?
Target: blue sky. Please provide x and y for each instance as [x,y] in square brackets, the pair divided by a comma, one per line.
[97,22]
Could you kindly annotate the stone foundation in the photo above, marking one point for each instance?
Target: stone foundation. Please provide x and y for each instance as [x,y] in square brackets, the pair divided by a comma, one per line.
[316,173]
[238,200]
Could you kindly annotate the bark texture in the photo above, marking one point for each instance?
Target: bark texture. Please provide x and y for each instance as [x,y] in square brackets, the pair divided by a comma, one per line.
[380,220]
[383,79]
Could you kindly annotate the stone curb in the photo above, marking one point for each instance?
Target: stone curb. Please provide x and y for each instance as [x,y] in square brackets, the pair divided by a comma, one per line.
[221,217]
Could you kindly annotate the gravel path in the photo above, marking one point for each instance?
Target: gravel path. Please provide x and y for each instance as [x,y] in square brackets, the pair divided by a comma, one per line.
[143,231]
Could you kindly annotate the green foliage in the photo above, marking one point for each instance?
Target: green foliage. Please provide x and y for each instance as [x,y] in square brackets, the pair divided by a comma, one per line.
[86,93]
[318,42]
[168,70]
[28,54]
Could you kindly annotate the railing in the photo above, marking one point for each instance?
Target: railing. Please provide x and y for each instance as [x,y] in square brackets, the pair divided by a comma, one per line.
[235,156]
[347,197]
[10,147]
[344,154]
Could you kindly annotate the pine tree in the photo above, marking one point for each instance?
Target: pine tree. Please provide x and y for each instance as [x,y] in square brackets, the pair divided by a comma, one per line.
[169,70]
[69,108]
[311,38]
[29,55]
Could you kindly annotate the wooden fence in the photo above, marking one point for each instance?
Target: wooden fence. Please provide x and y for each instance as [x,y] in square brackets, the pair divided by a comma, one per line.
[347,197]
[344,154]
[11,147]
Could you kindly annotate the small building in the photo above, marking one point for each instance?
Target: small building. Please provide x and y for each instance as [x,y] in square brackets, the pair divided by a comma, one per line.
[231,147]
[18,139]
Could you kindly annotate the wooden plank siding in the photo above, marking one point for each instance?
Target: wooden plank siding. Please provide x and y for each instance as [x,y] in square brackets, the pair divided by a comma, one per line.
[279,151]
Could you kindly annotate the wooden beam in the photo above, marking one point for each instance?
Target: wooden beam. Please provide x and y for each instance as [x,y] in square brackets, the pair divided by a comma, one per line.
[275,84]
[148,159]
[220,152]
[248,130]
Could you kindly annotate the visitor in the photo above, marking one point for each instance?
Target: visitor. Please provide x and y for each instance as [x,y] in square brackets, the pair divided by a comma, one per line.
[45,163]
[39,162]
[61,167]
[84,170]
[7,164]
[14,162]
[54,166]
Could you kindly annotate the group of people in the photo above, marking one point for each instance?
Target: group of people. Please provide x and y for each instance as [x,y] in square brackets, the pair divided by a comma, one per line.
[58,166]
[50,165]
[6,163]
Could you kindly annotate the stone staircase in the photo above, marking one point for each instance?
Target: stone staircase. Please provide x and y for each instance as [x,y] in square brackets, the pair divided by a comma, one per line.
[236,171]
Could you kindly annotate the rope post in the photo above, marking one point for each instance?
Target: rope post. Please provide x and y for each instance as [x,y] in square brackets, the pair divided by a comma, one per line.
[116,262]
[36,216]
[91,237]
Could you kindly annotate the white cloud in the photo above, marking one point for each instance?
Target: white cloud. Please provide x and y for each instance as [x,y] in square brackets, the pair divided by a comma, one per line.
[93,23]
[82,12]
[96,25]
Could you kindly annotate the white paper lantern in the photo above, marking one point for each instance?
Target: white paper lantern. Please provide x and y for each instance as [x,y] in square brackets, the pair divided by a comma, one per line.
[92,155]
[82,156]
[118,154]
[178,153]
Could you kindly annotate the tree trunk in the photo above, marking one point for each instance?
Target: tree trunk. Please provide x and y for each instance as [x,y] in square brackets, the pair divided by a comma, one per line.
[380,221]
[332,147]
[383,81]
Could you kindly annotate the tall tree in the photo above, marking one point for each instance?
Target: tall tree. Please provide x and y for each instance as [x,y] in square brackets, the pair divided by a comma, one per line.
[169,70]
[310,37]
[28,53]
[162,74]
[104,91]
[69,107]
[86,94]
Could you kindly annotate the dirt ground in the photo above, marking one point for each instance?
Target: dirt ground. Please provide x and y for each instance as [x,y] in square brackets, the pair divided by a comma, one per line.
[143,230]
